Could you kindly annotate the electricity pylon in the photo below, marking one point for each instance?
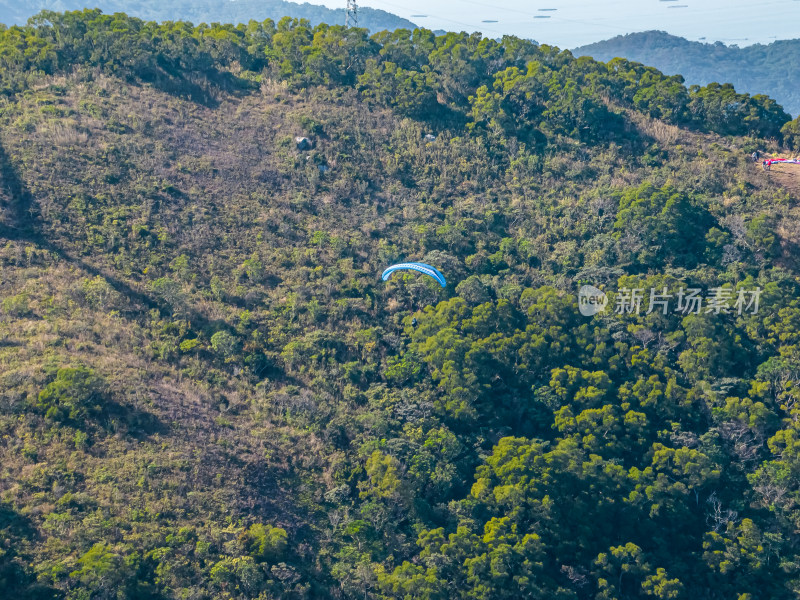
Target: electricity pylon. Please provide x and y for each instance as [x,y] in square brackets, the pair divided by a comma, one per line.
[351,14]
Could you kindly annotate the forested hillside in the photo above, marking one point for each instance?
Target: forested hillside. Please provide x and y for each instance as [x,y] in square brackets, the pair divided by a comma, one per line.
[17,12]
[206,390]
[772,69]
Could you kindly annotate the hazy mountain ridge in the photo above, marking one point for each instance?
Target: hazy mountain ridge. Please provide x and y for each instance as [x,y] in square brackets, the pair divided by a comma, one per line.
[207,11]
[771,69]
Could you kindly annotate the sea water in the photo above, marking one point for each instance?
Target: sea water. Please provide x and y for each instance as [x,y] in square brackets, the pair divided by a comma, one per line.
[573,23]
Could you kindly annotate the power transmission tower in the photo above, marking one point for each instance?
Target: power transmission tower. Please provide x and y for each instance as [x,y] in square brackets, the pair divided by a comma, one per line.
[351,14]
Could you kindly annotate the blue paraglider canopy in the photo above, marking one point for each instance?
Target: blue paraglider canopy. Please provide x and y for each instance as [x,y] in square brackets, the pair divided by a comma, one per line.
[415,266]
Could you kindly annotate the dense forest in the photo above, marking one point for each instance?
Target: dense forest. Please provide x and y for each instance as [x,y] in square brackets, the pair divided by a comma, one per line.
[206,390]
[17,12]
[772,69]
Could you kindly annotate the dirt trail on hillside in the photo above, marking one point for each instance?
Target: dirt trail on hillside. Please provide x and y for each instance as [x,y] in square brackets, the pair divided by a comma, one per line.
[787,176]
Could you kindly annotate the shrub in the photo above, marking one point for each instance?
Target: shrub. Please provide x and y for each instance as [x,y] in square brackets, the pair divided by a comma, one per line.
[75,395]
[265,542]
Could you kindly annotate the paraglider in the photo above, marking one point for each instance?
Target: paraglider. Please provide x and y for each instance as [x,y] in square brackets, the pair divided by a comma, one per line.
[780,161]
[415,266]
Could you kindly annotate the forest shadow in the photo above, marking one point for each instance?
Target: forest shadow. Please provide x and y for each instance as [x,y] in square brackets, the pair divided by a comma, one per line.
[23,224]
[14,524]
[264,492]
[17,218]
[139,424]
[180,87]
[175,83]
[16,578]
